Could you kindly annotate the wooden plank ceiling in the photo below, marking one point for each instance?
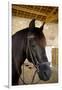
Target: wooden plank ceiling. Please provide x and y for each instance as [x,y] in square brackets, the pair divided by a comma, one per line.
[42,13]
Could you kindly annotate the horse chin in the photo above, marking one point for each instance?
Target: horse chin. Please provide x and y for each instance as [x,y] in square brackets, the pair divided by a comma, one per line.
[44,77]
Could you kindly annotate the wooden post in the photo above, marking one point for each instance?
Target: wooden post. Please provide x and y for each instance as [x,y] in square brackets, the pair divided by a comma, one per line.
[54,56]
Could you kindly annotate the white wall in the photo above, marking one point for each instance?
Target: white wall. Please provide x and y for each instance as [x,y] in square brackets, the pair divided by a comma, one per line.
[49,54]
[51,34]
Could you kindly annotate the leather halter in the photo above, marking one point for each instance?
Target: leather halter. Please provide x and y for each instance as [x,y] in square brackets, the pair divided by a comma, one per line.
[32,53]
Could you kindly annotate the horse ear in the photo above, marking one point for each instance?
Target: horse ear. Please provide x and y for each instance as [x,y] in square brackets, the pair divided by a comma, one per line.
[32,24]
[41,28]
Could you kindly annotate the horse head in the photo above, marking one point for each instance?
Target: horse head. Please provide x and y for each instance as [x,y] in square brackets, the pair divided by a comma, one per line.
[36,43]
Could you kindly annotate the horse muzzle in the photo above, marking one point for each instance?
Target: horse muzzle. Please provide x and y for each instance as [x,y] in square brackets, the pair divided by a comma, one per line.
[44,72]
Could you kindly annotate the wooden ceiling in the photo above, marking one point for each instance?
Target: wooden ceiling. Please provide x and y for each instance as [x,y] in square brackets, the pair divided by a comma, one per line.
[42,13]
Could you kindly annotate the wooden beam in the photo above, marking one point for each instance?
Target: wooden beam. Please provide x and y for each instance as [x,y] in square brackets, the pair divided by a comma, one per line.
[52,17]
[28,10]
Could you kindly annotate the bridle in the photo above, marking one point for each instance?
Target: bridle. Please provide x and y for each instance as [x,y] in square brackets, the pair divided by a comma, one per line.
[32,53]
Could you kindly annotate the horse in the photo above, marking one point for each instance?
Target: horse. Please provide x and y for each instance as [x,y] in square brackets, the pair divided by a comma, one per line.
[30,43]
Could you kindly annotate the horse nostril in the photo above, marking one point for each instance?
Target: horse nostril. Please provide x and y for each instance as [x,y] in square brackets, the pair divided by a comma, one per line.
[45,74]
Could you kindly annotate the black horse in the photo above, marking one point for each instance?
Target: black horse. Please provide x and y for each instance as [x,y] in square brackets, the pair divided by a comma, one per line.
[30,43]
